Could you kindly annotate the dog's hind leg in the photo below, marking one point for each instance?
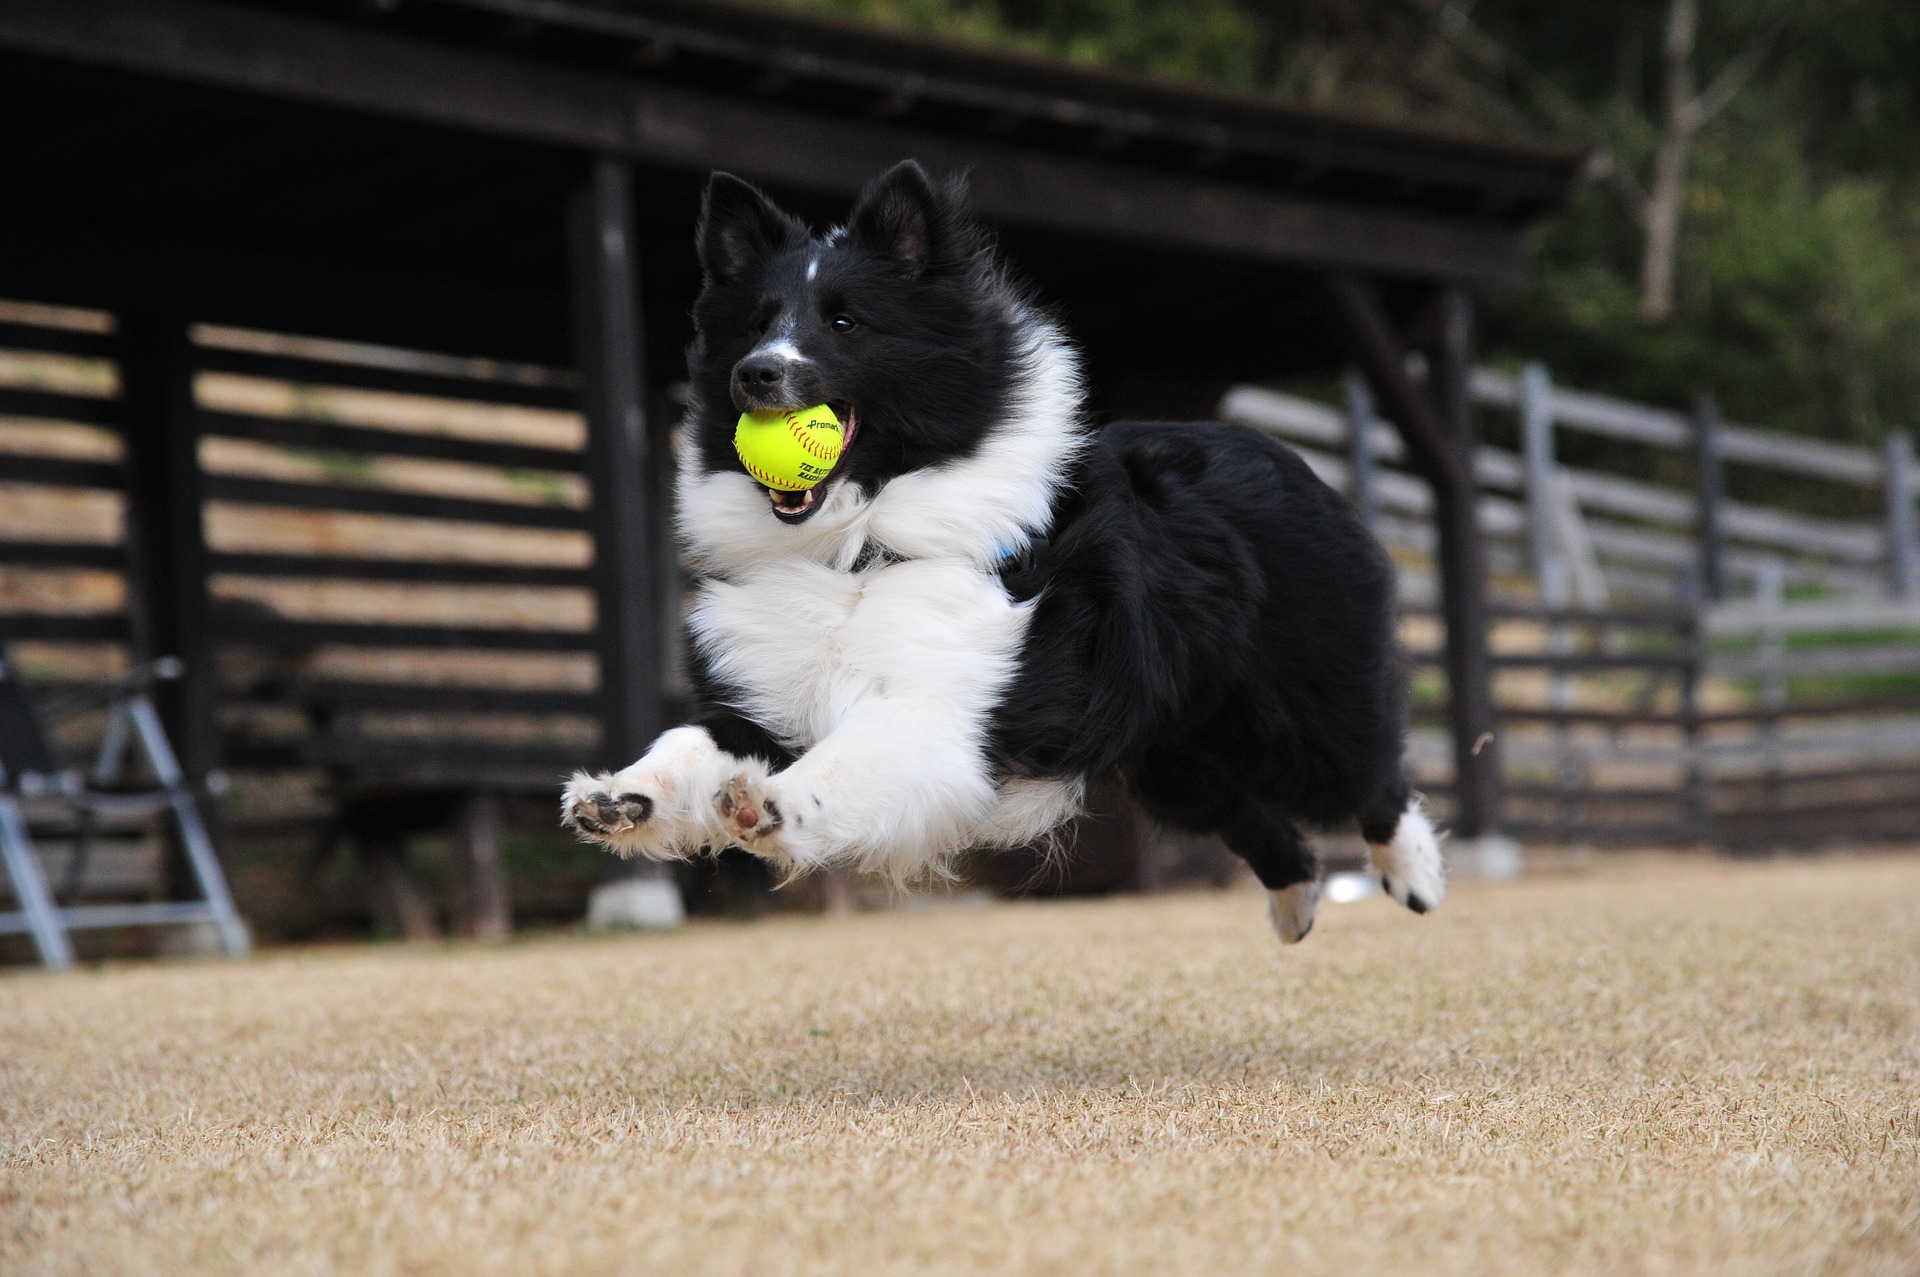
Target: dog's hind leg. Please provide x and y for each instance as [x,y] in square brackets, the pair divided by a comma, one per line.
[1405,847]
[1284,862]
[1190,791]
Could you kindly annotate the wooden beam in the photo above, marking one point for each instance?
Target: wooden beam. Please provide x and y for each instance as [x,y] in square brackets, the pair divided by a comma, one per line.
[1463,575]
[333,64]
[172,611]
[276,292]
[166,536]
[613,396]
[1439,434]
[1382,357]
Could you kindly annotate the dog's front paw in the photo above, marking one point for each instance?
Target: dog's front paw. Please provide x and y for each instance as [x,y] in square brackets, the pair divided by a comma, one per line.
[601,809]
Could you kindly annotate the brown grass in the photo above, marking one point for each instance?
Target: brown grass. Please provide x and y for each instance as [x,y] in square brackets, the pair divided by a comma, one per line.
[1649,1067]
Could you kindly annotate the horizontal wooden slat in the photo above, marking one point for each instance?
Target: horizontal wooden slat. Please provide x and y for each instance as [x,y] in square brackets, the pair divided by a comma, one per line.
[326,496]
[1830,661]
[60,472]
[61,554]
[1603,833]
[1663,428]
[461,762]
[1859,773]
[16,402]
[399,380]
[346,634]
[55,341]
[1844,617]
[1542,792]
[346,567]
[1299,420]
[398,443]
[34,625]
[1569,661]
[418,696]
[1637,617]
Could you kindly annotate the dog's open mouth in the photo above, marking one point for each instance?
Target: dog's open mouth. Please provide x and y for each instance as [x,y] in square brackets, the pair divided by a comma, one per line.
[794,507]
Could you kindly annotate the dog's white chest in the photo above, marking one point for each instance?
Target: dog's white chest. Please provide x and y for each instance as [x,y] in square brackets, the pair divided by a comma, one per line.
[806,646]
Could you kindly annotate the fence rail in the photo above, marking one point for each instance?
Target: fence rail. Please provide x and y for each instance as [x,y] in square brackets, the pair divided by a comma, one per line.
[1660,681]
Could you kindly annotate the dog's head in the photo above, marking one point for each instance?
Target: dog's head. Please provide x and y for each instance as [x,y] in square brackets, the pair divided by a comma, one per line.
[900,321]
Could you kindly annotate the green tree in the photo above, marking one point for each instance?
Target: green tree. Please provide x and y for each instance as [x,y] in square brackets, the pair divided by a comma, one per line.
[1788,282]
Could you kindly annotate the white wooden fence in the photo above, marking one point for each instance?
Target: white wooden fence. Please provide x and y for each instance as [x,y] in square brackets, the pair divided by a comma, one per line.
[1670,662]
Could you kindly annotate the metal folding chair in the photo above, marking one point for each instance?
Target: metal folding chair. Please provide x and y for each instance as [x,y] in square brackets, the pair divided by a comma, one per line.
[30,773]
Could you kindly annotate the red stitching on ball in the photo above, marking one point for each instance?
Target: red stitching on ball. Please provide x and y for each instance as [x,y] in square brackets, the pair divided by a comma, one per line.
[762,475]
[806,441]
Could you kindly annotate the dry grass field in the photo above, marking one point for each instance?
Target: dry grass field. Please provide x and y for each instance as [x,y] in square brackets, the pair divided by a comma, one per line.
[1646,1067]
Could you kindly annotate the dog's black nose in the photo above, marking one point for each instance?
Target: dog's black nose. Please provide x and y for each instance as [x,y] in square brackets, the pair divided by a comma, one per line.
[757,374]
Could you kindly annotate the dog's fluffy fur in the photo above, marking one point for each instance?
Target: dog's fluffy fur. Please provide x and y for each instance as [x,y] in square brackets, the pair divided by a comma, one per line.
[1207,619]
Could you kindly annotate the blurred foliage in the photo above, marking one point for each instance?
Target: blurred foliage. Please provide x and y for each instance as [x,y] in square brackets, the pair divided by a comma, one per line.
[1799,259]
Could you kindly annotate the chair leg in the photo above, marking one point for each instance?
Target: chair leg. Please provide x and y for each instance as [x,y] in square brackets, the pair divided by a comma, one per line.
[193,830]
[30,885]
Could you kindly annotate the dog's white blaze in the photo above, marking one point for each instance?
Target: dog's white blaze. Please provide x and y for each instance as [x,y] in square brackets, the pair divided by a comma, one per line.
[885,679]
[813,266]
[782,348]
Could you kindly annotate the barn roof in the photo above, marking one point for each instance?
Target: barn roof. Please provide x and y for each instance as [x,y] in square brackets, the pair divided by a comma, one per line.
[817,105]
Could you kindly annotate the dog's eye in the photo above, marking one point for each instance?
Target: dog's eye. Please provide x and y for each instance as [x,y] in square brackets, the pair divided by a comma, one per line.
[843,323]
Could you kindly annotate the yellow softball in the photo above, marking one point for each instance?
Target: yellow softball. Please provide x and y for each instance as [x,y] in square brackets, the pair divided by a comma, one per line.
[789,449]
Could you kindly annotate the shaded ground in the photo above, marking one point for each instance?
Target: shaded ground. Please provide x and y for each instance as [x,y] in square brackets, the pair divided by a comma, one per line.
[1654,1067]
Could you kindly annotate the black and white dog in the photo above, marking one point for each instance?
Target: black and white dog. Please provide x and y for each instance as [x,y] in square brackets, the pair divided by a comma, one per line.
[988,603]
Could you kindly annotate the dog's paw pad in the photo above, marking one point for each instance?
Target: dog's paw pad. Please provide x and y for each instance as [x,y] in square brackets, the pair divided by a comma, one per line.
[746,811]
[596,808]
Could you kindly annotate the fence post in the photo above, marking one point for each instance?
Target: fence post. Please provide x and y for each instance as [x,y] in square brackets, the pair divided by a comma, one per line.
[1903,546]
[1536,436]
[1770,593]
[1551,577]
[1361,485]
[1697,781]
[1710,490]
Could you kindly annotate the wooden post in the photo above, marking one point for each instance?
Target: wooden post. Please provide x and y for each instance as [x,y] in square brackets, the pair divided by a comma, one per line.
[1697,781]
[1362,484]
[170,608]
[1552,574]
[482,908]
[1439,435]
[1463,574]
[1770,594]
[1536,437]
[607,343]
[1710,492]
[1903,545]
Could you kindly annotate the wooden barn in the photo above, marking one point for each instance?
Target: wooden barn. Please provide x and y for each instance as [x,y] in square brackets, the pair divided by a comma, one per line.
[366,315]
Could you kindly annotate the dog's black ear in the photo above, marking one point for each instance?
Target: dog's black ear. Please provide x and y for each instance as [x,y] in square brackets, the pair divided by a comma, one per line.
[904,218]
[739,226]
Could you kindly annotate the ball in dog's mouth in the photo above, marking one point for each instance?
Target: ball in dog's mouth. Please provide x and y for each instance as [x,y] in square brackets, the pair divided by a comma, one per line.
[793,507]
